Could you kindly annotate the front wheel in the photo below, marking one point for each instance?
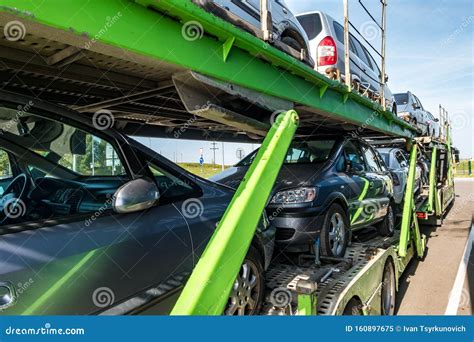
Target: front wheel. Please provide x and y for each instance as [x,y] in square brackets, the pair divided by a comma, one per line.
[246,296]
[335,232]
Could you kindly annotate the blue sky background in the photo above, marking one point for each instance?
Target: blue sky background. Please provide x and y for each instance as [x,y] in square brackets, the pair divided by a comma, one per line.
[429,52]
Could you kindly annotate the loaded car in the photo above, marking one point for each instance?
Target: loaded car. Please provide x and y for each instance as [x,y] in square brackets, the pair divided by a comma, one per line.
[326,47]
[397,162]
[98,223]
[246,15]
[328,187]
[411,110]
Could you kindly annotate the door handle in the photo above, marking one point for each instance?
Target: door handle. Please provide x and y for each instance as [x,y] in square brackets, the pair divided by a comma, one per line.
[8,295]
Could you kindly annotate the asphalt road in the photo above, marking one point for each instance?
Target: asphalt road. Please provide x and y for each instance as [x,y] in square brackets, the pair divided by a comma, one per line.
[429,286]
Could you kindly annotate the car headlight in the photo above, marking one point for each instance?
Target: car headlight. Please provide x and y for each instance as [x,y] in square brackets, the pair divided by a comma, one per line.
[293,196]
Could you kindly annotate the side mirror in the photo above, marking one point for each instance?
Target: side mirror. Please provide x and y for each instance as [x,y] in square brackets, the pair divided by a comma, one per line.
[136,195]
[386,78]
[436,120]
[415,106]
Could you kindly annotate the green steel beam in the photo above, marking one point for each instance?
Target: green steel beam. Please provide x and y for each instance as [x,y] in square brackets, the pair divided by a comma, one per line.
[433,181]
[251,63]
[408,204]
[207,290]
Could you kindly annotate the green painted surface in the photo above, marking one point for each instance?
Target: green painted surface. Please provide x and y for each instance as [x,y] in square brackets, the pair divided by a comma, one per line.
[146,32]
[408,204]
[307,305]
[207,290]
[53,289]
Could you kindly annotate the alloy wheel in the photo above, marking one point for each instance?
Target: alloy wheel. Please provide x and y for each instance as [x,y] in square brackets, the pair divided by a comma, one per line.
[245,291]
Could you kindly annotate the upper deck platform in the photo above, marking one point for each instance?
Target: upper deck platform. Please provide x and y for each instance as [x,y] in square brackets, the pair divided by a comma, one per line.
[134,58]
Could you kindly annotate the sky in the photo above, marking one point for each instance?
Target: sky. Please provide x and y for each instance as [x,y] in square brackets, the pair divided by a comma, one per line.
[429,52]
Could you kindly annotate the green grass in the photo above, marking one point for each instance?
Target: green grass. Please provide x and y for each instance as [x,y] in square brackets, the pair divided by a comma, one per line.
[207,170]
[462,169]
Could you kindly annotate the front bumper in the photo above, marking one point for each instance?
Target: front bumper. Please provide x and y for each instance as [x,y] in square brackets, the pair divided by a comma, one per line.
[296,230]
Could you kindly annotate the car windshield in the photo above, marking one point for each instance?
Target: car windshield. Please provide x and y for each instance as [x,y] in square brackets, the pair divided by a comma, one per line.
[401,99]
[311,24]
[307,152]
[68,147]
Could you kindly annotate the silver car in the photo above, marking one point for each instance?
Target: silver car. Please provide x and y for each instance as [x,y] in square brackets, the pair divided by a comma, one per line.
[326,46]
[286,27]
[410,109]
[397,162]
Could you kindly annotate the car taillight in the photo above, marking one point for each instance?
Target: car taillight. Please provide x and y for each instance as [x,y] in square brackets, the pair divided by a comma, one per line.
[327,52]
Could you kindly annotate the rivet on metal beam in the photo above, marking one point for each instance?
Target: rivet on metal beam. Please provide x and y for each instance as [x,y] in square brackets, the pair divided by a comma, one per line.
[227,46]
[322,90]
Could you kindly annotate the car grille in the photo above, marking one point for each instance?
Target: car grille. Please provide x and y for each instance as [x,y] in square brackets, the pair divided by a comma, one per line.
[284,234]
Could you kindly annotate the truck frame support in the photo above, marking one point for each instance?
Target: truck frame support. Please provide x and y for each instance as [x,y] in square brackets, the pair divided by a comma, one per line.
[208,288]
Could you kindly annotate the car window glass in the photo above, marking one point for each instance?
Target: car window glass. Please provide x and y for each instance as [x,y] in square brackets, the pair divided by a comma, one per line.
[5,167]
[339,32]
[352,153]
[170,186]
[371,159]
[78,151]
[401,159]
[401,99]
[369,59]
[352,46]
[360,51]
[311,24]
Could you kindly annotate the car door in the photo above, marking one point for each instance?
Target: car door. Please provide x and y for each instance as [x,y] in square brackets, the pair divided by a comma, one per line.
[248,10]
[358,183]
[88,259]
[379,187]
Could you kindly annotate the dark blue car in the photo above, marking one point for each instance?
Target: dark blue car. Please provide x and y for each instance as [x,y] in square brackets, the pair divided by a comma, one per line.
[93,222]
[327,186]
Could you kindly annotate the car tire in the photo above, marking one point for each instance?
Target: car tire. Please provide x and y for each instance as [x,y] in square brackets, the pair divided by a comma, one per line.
[247,293]
[335,232]
[353,308]
[292,42]
[388,290]
[387,226]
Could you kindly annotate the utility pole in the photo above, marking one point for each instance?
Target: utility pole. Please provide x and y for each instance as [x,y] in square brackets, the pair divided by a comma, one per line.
[214,148]
[223,167]
[347,71]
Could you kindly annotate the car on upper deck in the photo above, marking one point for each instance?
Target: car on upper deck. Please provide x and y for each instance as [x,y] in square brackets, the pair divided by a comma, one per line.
[326,47]
[411,110]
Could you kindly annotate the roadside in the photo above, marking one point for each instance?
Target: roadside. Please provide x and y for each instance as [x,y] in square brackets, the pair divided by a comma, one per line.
[426,286]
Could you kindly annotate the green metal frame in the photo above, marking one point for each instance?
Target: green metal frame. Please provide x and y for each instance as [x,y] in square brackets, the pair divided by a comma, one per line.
[432,195]
[410,229]
[207,290]
[223,51]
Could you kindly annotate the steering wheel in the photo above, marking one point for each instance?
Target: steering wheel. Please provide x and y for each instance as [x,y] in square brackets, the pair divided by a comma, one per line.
[12,202]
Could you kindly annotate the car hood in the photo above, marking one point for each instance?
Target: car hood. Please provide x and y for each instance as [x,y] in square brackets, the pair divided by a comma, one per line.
[290,176]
